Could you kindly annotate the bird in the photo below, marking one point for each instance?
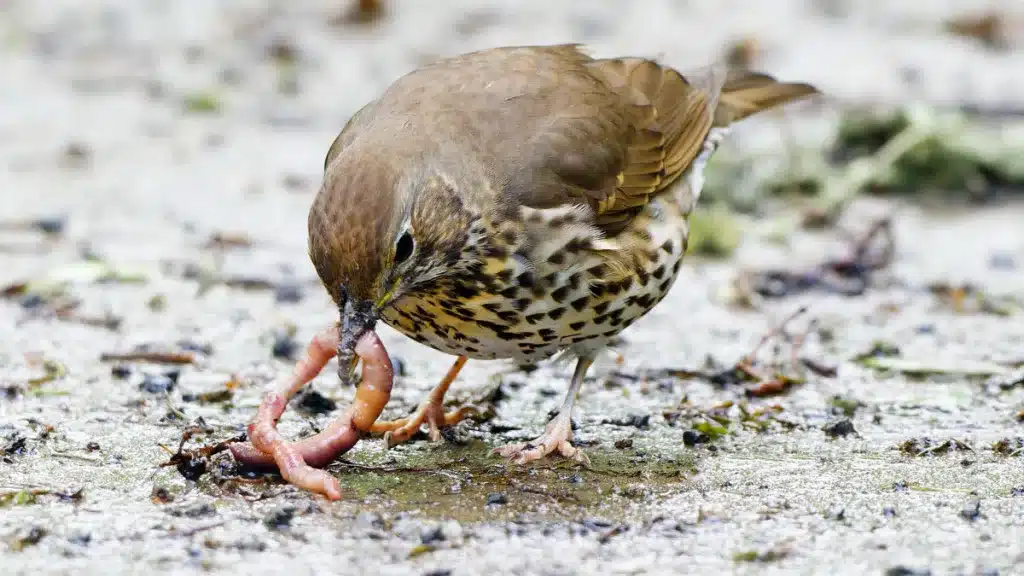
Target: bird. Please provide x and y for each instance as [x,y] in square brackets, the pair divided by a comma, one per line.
[520,202]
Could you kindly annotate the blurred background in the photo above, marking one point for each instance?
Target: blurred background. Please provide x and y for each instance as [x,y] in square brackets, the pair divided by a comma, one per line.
[157,161]
[202,109]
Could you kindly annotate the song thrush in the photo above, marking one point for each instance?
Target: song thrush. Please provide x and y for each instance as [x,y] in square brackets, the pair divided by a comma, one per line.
[517,202]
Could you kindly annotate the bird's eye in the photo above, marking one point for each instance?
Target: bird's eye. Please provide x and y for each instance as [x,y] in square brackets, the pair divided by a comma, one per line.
[404,247]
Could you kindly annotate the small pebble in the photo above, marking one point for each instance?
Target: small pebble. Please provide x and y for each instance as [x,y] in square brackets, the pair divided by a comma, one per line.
[120,371]
[432,535]
[624,443]
[315,402]
[92,446]
[1002,261]
[575,478]
[196,511]
[693,437]
[53,225]
[496,498]
[971,510]
[191,468]
[193,346]
[369,520]
[32,301]
[398,366]
[156,384]
[635,420]
[288,293]
[280,518]
[284,347]
[837,428]
[905,571]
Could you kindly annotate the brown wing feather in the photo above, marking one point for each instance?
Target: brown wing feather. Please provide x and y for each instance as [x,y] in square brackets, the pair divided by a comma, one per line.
[674,114]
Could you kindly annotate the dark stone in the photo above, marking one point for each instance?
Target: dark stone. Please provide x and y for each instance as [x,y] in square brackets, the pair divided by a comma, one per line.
[284,347]
[693,437]
[196,511]
[315,403]
[191,468]
[641,421]
[120,371]
[497,498]
[280,518]
[32,301]
[971,510]
[837,428]
[624,443]
[287,293]
[905,571]
[432,535]
[156,384]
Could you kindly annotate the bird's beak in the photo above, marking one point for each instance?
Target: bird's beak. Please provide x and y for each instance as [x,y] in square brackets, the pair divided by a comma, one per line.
[357,318]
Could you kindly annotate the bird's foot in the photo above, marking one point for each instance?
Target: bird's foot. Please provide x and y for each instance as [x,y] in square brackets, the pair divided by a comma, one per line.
[557,438]
[431,413]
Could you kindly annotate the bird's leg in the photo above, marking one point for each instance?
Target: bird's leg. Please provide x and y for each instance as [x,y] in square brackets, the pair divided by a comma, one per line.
[558,436]
[430,411]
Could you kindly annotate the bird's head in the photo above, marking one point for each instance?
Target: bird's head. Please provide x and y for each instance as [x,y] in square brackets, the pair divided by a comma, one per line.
[381,227]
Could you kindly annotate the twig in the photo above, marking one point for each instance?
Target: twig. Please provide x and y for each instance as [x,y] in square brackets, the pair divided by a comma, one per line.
[154,357]
[195,530]
[774,332]
[849,275]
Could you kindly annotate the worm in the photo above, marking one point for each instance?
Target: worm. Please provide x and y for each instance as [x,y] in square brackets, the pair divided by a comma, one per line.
[299,463]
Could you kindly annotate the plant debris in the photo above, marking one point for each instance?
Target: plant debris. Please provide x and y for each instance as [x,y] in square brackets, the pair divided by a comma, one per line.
[29,496]
[850,275]
[360,12]
[192,464]
[934,367]
[780,374]
[989,28]
[52,226]
[928,447]
[27,538]
[760,556]
[968,299]
[227,240]
[839,428]
[1009,447]
[152,356]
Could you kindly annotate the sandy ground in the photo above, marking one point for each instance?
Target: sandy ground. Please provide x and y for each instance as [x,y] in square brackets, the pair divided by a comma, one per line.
[93,127]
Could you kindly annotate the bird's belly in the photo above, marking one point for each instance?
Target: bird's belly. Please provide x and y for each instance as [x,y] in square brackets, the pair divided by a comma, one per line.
[554,308]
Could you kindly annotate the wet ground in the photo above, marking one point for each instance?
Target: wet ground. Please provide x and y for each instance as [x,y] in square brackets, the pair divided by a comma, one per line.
[177,146]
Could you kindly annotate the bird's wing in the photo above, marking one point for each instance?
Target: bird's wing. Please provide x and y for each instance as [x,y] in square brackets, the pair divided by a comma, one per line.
[614,149]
